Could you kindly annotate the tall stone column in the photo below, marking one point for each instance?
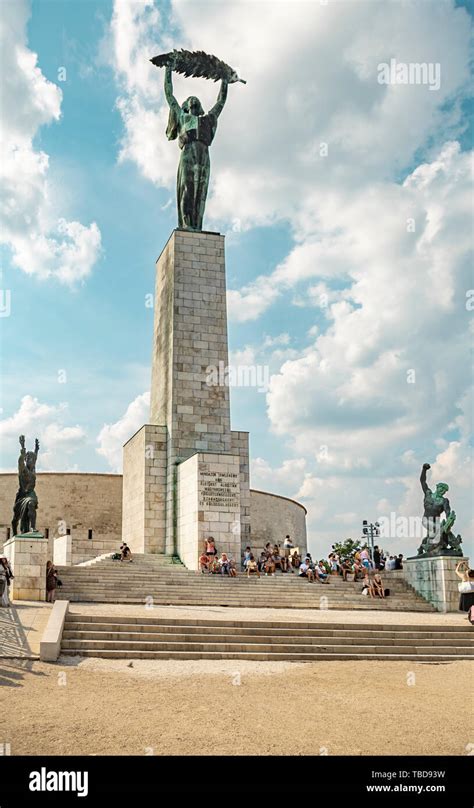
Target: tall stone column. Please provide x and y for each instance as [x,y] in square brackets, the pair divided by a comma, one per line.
[190,337]
[170,503]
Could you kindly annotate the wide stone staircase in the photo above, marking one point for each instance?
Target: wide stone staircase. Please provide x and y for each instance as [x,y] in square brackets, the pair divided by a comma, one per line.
[179,638]
[156,579]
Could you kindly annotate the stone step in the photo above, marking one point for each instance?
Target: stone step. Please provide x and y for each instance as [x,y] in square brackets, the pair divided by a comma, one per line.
[277,584]
[264,603]
[183,599]
[257,639]
[260,647]
[143,590]
[251,597]
[310,592]
[213,580]
[151,578]
[278,626]
[127,637]
[236,585]
[262,657]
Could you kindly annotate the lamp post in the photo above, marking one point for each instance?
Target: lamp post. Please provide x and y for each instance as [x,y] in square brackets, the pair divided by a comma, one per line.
[369,531]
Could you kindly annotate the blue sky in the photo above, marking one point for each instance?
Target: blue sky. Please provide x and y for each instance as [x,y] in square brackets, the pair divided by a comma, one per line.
[311,242]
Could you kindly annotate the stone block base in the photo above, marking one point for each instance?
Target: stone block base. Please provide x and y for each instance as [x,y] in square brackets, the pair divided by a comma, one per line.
[27,554]
[435,580]
[144,490]
[208,504]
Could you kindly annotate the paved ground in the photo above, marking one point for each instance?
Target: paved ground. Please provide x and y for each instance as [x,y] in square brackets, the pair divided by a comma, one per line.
[353,708]
[21,628]
[98,706]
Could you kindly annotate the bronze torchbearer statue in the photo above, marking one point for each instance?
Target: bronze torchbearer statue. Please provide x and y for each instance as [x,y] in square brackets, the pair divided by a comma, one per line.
[439,539]
[194,129]
[26,501]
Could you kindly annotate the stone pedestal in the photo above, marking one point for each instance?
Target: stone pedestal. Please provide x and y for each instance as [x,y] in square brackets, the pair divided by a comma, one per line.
[208,504]
[435,580]
[164,507]
[27,554]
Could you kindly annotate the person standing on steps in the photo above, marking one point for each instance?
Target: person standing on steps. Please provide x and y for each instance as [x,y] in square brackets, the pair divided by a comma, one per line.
[6,575]
[466,587]
[210,546]
[51,582]
[376,557]
[288,546]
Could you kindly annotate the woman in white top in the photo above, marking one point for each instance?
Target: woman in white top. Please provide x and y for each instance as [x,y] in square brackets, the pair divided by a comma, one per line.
[466,587]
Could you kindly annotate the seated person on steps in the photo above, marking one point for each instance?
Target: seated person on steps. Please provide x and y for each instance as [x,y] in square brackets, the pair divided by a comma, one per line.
[126,552]
[306,571]
[204,563]
[252,567]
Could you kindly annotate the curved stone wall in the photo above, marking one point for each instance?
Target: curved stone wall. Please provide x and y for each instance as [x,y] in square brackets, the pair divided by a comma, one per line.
[90,507]
[72,501]
[272,517]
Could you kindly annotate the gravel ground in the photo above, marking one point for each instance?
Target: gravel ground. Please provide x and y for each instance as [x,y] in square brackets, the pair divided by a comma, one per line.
[94,706]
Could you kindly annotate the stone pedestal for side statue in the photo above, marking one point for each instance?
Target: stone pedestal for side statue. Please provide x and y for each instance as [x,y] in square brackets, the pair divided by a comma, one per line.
[171,504]
[27,554]
[435,579]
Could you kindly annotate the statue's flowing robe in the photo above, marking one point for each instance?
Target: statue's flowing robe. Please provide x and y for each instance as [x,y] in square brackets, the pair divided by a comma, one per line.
[196,133]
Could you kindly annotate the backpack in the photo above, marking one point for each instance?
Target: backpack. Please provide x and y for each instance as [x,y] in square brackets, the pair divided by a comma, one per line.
[386,592]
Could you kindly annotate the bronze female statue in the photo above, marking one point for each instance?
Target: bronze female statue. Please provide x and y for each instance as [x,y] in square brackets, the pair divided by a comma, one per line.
[193,128]
[195,132]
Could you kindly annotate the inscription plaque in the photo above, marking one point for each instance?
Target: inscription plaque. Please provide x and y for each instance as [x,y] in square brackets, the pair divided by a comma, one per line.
[219,490]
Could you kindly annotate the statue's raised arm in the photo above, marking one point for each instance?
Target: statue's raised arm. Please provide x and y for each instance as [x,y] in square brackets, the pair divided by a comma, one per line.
[425,468]
[21,459]
[173,104]
[221,99]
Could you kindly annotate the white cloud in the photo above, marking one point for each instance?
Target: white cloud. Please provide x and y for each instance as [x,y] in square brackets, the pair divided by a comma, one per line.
[35,419]
[112,436]
[284,480]
[396,298]
[278,339]
[42,242]
[406,313]
[252,300]
[136,34]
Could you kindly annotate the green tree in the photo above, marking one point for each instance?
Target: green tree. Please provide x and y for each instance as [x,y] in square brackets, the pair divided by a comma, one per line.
[347,548]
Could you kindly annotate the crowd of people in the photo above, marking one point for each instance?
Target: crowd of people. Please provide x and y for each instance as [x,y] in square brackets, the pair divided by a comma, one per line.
[358,566]
[366,568]
[272,558]
[210,561]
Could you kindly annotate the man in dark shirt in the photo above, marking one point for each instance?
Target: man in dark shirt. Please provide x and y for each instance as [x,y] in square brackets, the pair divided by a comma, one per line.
[377,557]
